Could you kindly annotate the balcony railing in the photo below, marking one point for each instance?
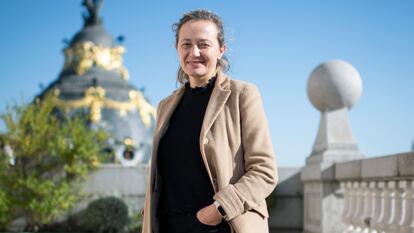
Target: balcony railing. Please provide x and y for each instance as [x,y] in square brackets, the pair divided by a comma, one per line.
[378,194]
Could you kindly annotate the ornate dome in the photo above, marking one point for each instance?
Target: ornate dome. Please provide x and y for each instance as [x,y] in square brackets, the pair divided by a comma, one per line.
[94,81]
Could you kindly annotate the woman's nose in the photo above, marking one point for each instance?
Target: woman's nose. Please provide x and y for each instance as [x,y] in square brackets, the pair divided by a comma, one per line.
[195,51]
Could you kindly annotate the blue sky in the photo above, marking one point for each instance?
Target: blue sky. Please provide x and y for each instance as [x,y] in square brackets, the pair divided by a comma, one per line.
[274,44]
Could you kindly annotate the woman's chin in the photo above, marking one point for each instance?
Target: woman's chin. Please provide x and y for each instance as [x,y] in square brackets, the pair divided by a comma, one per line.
[197,74]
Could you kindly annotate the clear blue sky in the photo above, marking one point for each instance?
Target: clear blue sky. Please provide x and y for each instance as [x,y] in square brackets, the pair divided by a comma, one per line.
[274,44]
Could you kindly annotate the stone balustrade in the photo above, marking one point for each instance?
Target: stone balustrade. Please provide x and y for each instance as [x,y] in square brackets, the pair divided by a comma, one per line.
[378,194]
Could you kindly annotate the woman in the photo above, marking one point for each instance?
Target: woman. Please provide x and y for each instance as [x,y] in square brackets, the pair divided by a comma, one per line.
[212,162]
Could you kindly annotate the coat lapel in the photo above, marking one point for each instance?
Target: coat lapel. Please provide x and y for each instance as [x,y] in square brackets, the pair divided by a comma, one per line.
[168,109]
[218,98]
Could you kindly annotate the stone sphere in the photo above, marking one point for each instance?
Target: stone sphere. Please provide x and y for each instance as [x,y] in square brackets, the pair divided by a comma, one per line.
[333,85]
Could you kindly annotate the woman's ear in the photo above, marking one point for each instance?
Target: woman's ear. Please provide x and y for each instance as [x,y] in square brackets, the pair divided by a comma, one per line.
[222,50]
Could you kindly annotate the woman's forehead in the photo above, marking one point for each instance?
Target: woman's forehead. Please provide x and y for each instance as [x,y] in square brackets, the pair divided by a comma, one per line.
[198,30]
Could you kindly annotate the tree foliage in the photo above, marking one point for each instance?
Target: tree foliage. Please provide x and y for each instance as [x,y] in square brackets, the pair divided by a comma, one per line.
[44,157]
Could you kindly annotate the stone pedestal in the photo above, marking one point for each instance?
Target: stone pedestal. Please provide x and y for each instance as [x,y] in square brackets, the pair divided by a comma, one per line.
[334,141]
[333,88]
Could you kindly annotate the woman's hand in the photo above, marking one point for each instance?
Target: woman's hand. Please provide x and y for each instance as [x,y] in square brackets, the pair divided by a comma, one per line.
[209,215]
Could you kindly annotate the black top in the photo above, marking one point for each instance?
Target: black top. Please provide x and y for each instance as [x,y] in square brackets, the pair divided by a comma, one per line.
[185,182]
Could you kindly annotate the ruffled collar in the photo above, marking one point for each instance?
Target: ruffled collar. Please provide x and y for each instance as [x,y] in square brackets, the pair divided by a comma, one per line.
[204,88]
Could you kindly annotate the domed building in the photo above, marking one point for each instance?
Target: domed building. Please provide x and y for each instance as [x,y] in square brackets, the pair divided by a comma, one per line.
[94,81]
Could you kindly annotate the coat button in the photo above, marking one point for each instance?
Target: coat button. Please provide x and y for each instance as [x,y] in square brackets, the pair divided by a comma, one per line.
[205,140]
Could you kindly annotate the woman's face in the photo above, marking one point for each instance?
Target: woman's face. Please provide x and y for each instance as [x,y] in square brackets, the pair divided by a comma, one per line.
[198,50]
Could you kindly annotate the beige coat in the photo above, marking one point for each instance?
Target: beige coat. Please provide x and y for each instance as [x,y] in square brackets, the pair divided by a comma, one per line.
[237,151]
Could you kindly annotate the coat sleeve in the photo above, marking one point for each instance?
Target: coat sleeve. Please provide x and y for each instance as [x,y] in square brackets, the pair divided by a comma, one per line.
[260,176]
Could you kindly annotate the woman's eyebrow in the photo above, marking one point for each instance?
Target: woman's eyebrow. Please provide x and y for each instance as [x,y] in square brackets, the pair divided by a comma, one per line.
[198,40]
[204,40]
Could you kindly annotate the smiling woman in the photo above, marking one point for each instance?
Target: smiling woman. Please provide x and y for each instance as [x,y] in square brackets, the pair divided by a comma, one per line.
[199,38]
[199,50]
[212,160]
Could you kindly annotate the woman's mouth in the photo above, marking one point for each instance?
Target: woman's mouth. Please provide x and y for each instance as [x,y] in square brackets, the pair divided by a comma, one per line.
[195,62]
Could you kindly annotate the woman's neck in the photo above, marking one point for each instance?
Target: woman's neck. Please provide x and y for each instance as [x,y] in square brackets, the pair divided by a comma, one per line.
[200,82]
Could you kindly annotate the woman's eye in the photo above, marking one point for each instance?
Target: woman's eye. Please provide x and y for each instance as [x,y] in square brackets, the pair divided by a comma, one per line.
[186,45]
[204,45]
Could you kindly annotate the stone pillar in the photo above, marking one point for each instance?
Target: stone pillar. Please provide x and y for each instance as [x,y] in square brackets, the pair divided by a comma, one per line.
[333,88]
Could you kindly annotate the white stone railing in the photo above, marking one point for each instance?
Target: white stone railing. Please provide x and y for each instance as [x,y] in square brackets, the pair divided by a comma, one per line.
[378,194]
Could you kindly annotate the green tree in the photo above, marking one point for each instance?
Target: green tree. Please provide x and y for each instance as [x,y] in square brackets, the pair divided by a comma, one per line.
[44,158]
